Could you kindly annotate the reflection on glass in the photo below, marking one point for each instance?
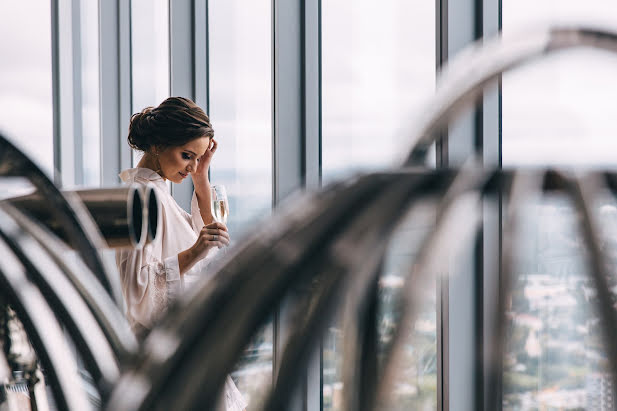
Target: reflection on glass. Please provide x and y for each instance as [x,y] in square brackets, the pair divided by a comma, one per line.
[378,68]
[26,111]
[149,54]
[240,37]
[366,101]
[557,112]
[90,91]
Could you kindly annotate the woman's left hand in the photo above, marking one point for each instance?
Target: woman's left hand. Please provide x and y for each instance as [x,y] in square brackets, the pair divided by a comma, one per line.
[200,175]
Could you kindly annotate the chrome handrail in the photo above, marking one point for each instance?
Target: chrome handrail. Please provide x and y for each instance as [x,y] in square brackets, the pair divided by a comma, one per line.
[81,230]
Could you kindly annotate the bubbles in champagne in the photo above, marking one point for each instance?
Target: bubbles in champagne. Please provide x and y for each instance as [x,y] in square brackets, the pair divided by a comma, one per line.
[220,211]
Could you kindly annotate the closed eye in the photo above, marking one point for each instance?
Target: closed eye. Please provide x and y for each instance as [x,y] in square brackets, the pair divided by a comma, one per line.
[186,156]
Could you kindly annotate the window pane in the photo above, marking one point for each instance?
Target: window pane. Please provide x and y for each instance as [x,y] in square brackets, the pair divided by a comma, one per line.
[378,67]
[366,100]
[26,109]
[149,54]
[558,111]
[240,60]
[90,91]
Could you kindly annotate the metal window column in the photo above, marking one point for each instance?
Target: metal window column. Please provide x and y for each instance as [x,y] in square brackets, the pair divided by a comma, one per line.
[312,157]
[296,139]
[459,299]
[491,247]
[115,87]
[181,47]
[66,69]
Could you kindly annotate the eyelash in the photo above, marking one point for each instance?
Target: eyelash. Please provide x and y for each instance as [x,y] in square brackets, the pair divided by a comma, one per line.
[188,157]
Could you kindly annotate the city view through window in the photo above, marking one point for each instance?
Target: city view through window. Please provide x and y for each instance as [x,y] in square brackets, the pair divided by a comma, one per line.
[558,112]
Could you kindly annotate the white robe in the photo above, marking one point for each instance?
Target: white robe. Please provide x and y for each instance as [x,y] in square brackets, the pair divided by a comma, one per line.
[151,277]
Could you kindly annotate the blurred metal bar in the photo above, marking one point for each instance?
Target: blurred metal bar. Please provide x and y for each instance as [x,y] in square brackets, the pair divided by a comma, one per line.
[108,315]
[152,213]
[65,302]
[464,192]
[583,190]
[526,186]
[258,272]
[347,277]
[69,212]
[119,214]
[464,80]
[43,331]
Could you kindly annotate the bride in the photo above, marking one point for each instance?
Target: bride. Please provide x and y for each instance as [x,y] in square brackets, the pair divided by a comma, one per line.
[177,140]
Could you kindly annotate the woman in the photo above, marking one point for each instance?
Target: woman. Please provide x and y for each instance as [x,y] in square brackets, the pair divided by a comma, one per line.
[177,141]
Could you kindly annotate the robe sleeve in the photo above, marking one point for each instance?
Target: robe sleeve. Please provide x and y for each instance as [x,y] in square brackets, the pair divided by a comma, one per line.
[149,284]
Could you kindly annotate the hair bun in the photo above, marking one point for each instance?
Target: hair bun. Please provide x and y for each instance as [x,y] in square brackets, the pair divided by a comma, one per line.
[140,129]
[175,122]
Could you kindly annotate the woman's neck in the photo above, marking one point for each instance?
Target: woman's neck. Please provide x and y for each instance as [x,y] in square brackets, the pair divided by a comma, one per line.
[150,162]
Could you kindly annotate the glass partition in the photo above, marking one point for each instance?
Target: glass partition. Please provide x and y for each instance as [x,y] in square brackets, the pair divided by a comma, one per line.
[240,89]
[26,107]
[558,111]
[378,67]
[91,121]
[150,72]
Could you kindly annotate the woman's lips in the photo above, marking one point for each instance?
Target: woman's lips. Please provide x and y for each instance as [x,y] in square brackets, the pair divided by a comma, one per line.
[183,175]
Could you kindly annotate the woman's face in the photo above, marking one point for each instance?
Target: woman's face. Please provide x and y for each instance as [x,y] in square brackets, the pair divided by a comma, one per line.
[177,162]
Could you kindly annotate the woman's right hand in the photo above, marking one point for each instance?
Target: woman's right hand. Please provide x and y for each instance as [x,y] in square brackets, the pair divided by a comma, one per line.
[211,236]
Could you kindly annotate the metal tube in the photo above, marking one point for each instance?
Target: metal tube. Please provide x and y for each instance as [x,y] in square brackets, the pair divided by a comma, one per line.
[65,301]
[465,78]
[72,214]
[152,213]
[108,315]
[119,214]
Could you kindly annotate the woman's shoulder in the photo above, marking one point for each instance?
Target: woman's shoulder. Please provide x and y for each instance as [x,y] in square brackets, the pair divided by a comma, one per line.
[140,174]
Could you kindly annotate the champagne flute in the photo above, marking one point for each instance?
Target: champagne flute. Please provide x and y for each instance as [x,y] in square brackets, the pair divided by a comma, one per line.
[220,204]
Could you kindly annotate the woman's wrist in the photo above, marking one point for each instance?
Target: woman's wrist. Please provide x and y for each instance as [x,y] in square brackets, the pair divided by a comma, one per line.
[186,260]
[201,185]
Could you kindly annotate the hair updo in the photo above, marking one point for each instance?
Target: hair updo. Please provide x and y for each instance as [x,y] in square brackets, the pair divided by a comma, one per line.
[175,122]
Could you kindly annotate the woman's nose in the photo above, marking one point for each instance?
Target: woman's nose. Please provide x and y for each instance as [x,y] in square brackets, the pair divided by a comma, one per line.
[191,167]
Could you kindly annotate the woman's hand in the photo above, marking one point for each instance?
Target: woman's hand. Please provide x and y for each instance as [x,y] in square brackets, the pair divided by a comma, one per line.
[211,236]
[200,175]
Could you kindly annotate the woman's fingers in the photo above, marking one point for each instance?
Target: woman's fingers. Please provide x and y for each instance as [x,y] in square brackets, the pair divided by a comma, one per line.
[213,145]
[217,233]
[216,225]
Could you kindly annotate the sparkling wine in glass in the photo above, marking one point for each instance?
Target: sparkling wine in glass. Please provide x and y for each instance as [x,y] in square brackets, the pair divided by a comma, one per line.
[220,205]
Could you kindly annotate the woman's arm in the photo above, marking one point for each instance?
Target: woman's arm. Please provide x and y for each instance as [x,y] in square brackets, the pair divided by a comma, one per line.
[204,202]
[202,184]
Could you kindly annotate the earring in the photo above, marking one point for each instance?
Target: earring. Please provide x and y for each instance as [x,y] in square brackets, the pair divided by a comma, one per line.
[158,162]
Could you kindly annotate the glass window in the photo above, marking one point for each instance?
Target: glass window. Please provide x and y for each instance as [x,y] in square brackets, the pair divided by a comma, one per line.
[90,92]
[26,107]
[558,111]
[240,85]
[150,72]
[378,67]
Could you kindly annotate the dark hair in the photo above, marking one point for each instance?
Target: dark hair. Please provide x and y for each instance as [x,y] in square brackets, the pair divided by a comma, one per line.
[175,122]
